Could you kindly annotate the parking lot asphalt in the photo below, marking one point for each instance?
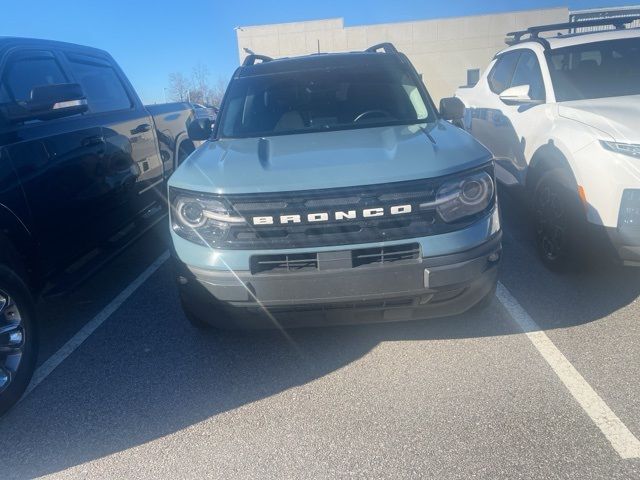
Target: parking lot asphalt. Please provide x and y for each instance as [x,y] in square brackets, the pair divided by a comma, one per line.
[147,396]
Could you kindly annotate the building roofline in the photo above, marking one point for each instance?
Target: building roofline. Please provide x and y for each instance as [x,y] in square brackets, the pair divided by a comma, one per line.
[258,25]
[605,9]
[435,19]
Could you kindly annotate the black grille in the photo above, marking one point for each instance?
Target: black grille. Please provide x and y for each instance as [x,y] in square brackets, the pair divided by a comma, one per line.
[396,253]
[419,223]
[284,263]
[328,260]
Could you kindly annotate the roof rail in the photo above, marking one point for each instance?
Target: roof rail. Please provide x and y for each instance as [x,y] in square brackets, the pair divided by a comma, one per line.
[534,32]
[386,47]
[251,59]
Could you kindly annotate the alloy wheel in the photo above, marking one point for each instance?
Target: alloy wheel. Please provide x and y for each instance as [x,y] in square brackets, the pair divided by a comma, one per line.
[12,340]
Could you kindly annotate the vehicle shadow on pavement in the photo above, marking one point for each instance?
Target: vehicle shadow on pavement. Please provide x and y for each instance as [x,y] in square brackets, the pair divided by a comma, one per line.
[147,373]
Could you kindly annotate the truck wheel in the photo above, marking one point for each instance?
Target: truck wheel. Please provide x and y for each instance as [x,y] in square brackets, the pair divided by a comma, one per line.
[559,225]
[18,342]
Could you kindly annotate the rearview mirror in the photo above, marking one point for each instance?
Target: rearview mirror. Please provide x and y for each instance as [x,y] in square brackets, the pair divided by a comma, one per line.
[518,96]
[452,108]
[47,102]
[199,128]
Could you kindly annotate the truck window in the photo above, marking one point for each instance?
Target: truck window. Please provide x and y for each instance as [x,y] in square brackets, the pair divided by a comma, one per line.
[23,74]
[596,70]
[528,73]
[339,98]
[101,84]
[502,72]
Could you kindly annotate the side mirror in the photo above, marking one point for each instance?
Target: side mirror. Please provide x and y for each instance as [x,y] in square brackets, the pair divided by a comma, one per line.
[199,129]
[518,96]
[452,108]
[47,102]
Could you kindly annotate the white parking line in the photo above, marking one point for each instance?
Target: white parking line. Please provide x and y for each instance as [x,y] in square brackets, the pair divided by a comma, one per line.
[74,342]
[621,439]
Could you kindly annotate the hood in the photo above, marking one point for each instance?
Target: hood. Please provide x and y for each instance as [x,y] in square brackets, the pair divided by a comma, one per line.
[618,117]
[329,159]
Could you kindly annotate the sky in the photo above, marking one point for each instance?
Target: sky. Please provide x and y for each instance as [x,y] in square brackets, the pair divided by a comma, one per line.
[151,39]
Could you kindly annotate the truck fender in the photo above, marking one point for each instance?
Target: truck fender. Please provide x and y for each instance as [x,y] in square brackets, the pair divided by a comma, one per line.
[16,243]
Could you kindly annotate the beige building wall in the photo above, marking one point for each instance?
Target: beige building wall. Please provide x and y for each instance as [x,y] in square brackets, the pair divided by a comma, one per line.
[442,50]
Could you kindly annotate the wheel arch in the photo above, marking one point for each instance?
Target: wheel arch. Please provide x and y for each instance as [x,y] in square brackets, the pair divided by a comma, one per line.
[548,157]
[180,140]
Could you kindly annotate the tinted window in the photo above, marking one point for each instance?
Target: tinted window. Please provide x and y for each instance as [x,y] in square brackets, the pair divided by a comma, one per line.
[596,70]
[323,99]
[502,72]
[24,74]
[528,73]
[102,86]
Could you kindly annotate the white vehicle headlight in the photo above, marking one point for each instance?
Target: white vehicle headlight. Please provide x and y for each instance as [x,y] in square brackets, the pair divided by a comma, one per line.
[631,149]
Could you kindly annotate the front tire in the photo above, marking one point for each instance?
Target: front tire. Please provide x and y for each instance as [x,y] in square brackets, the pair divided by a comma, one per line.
[559,223]
[18,339]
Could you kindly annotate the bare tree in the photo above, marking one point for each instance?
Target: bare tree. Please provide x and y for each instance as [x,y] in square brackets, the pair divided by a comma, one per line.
[197,89]
[178,87]
[200,84]
[217,92]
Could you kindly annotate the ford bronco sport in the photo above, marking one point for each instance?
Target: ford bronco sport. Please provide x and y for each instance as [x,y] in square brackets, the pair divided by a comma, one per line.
[331,190]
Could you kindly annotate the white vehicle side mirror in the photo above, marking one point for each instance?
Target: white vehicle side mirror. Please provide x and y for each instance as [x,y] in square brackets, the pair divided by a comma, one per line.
[518,96]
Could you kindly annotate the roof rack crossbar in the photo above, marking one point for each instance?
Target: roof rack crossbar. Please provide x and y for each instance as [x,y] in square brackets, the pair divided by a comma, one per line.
[386,47]
[534,32]
[251,59]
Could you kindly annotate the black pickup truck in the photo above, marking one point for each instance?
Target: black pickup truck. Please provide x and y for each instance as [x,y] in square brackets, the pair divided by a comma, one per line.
[83,166]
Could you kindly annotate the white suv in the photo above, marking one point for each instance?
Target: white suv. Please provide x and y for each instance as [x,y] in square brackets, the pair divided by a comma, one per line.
[562,117]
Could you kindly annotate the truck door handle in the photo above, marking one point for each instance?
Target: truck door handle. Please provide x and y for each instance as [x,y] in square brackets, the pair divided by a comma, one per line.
[145,127]
[93,140]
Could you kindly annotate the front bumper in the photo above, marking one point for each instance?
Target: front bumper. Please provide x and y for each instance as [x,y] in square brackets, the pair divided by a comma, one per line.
[419,288]
[626,244]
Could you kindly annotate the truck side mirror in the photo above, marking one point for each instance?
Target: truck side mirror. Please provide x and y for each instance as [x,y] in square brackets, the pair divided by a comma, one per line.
[452,108]
[47,102]
[518,96]
[199,129]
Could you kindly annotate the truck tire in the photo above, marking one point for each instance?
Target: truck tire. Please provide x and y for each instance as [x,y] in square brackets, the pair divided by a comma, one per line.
[18,338]
[559,223]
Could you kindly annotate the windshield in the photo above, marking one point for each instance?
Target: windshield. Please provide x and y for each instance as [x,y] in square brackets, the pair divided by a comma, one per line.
[596,70]
[319,100]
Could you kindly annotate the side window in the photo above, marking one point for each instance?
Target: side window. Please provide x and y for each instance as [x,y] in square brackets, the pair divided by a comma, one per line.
[502,72]
[101,84]
[528,73]
[28,70]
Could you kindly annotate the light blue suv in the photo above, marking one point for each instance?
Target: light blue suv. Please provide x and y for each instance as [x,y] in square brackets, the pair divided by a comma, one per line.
[332,191]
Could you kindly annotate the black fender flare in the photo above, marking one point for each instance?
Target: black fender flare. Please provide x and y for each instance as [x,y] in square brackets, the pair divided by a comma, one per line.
[549,157]
[180,139]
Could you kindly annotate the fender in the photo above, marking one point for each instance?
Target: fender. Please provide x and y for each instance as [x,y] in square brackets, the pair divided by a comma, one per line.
[549,157]
[17,248]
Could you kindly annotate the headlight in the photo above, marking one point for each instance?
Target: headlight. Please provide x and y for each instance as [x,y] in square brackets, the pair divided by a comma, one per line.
[631,149]
[464,197]
[200,219]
